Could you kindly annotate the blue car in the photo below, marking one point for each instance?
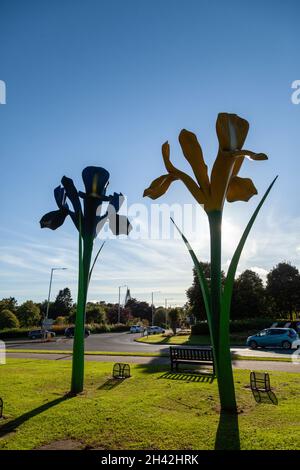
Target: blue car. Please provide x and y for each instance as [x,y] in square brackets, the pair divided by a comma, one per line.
[273,338]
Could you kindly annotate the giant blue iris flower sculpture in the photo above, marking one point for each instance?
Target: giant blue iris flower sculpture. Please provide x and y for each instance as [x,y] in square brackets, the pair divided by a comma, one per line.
[87,218]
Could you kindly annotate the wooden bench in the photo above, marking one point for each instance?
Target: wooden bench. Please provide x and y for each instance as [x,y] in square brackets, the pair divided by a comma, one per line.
[189,355]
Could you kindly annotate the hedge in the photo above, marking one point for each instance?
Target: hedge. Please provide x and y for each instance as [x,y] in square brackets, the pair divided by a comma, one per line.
[94,328]
[236,326]
[18,333]
[14,333]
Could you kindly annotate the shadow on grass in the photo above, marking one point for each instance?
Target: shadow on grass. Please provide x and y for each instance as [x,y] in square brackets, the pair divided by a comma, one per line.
[111,383]
[228,436]
[188,377]
[12,426]
[65,356]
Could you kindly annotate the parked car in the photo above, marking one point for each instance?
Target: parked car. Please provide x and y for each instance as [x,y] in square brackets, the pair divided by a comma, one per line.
[69,332]
[136,329]
[38,334]
[274,337]
[154,330]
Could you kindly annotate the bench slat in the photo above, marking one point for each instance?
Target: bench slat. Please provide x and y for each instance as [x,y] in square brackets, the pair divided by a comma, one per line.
[191,355]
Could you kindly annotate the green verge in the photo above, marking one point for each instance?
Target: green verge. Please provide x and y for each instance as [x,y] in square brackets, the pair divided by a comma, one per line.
[151,410]
[237,339]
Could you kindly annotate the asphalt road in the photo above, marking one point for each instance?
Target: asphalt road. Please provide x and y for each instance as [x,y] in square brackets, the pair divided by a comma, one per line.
[124,342]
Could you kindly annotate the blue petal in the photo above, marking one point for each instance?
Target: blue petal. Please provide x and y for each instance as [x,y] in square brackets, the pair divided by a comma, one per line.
[53,219]
[60,197]
[95,180]
[72,193]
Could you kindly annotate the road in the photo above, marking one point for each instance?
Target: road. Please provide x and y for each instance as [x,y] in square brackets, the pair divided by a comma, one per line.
[125,342]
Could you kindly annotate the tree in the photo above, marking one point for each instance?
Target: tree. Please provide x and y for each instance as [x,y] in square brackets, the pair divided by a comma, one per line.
[174,317]
[28,314]
[248,300]
[95,313]
[283,289]
[8,320]
[194,294]
[8,303]
[63,303]
[112,315]
[160,316]
[139,309]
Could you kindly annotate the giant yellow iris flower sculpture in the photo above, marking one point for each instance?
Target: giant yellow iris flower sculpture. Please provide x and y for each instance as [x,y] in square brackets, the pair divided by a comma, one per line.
[224,183]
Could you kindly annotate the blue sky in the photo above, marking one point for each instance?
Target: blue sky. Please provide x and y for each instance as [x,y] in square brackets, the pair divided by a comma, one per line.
[106,83]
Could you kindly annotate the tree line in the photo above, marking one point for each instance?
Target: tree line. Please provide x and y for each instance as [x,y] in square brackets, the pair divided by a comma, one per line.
[278,298]
[63,312]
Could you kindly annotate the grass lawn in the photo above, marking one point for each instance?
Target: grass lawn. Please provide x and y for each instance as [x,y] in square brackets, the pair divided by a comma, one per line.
[192,340]
[151,410]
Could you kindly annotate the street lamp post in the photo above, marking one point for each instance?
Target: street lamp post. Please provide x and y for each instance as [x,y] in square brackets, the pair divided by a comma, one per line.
[49,293]
[152,305]
[119,305]
[166,306]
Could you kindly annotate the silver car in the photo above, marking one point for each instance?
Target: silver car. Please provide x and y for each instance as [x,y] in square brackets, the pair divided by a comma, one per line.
[155,330]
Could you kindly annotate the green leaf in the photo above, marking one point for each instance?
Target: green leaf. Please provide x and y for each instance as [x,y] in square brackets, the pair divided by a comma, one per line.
[201,277]
[227,294]
[96,257]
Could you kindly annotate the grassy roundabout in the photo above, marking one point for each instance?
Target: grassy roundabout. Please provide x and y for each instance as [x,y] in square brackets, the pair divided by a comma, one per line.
[152,410]
[191,340]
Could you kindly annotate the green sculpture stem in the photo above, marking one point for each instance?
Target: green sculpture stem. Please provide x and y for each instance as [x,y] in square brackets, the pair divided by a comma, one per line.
[220,335]
[218,301]
[83,283]
[215,225]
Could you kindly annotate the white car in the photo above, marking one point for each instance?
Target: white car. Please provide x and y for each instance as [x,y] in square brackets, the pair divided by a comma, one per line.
[154,330]
[136,329]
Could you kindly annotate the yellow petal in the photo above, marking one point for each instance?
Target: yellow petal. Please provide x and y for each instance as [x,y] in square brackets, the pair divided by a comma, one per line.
[246,153]
[251,155]
[220,177]
[193,153]
[159,186]
[192,186]
[165,149]
[240,189]
[231,130]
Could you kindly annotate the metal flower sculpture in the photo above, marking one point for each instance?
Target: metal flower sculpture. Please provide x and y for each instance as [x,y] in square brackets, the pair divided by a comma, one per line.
[88,221]
[224,183]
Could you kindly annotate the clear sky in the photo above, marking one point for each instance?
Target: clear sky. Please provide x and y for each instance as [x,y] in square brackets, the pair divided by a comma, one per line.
[106,82]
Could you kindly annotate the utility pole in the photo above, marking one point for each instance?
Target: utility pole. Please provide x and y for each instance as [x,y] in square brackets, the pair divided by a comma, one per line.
[152,305]
[119,303]
[166,306]
[49,293]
